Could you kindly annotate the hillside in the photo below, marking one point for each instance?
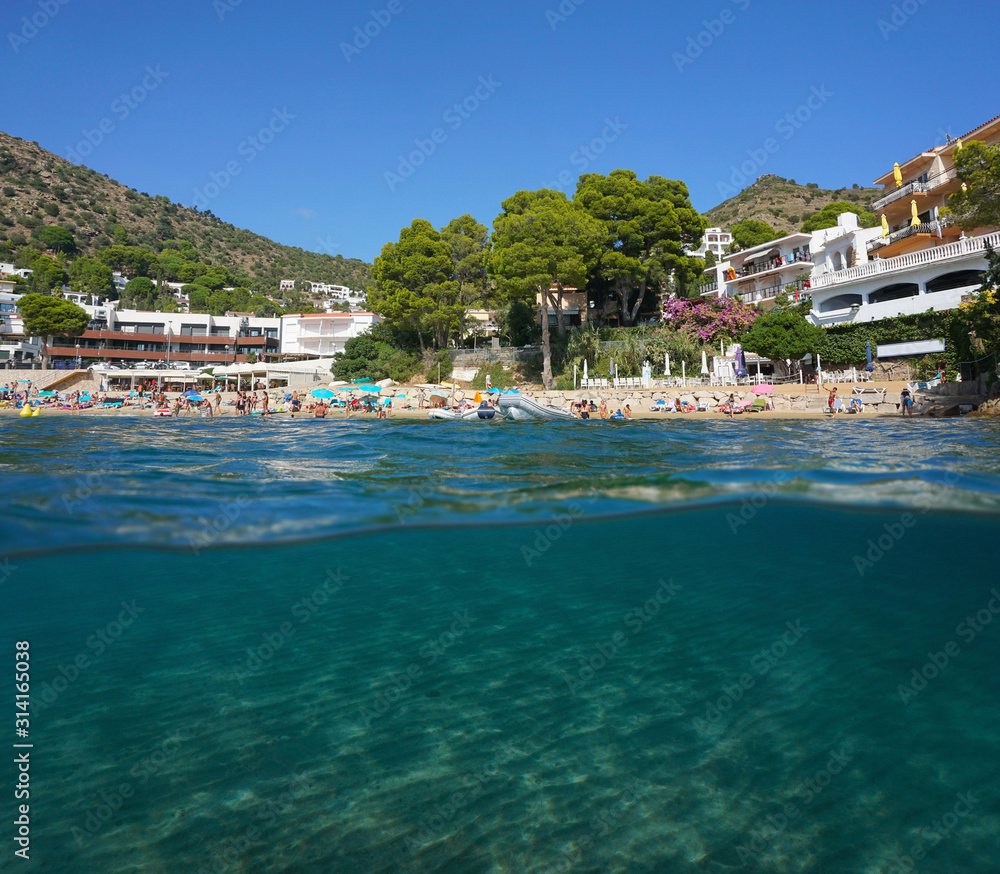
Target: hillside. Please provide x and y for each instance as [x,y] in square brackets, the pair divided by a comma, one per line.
[38,189]
[784,204]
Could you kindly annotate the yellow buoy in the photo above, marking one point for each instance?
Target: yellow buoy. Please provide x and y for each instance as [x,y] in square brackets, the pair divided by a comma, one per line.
[26,412]
[36,411]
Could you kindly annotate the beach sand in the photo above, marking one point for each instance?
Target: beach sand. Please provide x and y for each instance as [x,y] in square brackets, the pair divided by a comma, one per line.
[615,400]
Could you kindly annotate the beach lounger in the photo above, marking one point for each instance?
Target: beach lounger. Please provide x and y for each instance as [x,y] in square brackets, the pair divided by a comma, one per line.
[702,406]
[658,406]
[837,406]
[758,406]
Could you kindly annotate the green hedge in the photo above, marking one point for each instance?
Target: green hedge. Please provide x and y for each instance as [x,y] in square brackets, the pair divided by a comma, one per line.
[845,344]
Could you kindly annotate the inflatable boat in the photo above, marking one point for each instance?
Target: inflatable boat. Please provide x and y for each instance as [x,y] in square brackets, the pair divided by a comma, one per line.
[521,408]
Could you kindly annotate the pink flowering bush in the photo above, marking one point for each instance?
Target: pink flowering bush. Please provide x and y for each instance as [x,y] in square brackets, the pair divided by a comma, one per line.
[710,319]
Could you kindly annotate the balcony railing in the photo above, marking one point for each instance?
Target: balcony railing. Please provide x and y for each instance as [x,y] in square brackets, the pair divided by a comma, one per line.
[965,246]
[709,288]
[774,264]
[895,237]
[915,188]
[759,295]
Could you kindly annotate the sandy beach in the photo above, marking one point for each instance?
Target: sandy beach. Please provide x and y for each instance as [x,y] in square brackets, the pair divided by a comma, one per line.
[615,400]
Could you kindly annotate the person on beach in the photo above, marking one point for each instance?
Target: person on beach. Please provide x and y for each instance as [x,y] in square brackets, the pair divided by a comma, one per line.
[906,402]
[603,409]
[320,410]
[830,400]
[218,404]
[628,411]
[730,405]
[264,400]
[295,404]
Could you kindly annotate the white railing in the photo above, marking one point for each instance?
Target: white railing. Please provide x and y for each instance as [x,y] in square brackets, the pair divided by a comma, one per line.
[965,246]
[915,188]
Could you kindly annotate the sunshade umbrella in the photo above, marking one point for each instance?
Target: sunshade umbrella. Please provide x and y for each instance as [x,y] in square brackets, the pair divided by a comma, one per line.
[885,227]
[704,363]
[190,394]
[915,218]
[369,399]
[584,368]
[369,389]
[897,174]
[46,394]
[321,393]
[439,394]
[762,389]
[868,355]
[494,391]
[193,396]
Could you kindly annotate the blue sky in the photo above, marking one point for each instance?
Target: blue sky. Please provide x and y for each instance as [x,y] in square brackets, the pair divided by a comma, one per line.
[294,122]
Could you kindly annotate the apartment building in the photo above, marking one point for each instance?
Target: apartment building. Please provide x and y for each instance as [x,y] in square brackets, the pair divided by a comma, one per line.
[322,335]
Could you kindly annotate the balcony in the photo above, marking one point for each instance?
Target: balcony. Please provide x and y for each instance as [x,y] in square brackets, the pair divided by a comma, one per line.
[896,236]
[709,288]
[798,292]
[958,249]
[913,188]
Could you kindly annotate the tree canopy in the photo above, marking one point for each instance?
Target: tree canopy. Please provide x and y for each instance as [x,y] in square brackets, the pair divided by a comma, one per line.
[647,226]
[543,242]
[827,217]
[977,205]
[783,334]
[751,232]
[415,285]
[48,317]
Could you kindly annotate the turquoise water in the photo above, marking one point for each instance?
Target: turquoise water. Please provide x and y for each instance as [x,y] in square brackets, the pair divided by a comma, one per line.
[397,646]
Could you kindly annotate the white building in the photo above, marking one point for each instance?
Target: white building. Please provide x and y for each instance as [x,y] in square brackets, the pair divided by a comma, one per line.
[14,346]
[715,241]
[321,335]
[758,275]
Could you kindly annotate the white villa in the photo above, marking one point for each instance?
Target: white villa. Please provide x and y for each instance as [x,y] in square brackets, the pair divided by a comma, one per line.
[320,335]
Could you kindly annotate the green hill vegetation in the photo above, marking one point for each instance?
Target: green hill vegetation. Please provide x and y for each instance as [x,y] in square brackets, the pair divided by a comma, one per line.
[787,206]
[81,216]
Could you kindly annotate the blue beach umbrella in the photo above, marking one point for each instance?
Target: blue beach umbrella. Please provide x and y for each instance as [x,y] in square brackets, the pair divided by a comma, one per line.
[494,391]
[190,394]
[868,354]
[321,393]
[369,389]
